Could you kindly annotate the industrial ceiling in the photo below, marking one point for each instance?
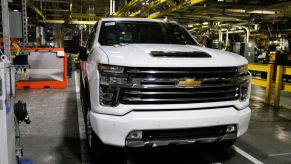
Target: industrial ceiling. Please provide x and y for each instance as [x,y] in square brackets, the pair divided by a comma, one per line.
[187,12]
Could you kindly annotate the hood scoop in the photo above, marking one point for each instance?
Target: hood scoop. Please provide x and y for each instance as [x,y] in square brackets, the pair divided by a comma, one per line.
[175,54]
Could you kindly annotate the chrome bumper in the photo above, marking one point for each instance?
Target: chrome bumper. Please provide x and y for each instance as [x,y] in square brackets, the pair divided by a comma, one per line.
[155,143]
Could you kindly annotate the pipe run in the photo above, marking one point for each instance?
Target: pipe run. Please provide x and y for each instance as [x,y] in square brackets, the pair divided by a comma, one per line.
[35,9]
[247,32]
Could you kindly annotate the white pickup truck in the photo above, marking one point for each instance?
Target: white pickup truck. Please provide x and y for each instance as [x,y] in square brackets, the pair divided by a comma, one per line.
[147,82]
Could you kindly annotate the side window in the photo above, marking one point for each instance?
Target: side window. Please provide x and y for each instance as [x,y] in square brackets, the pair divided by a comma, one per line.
[91,37]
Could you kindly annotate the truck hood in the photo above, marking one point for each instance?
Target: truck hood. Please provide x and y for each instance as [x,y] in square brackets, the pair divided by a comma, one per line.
[139,55]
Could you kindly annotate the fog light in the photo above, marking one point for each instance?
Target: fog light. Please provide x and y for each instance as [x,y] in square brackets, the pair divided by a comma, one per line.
[230,128]
[135,135]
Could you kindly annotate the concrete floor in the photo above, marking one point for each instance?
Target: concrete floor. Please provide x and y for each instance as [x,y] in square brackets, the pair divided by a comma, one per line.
[53,135]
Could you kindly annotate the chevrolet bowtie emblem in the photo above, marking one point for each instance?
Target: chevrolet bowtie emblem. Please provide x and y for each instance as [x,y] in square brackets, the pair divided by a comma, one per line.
[189,83]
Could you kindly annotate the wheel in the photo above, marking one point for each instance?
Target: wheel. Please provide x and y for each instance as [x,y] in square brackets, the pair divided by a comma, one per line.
[99,153]
[224,144]
[88,130]
[95,148]
[86,114]
[82,93]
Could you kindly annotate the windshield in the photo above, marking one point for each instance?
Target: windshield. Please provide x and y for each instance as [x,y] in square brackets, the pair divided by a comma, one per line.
[118,32]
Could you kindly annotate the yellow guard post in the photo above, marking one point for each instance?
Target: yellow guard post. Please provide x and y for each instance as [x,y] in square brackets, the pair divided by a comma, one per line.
[281,70]
[267,83]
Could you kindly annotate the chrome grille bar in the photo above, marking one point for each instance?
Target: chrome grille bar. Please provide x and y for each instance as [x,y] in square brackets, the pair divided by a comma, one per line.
[137,92]
[175,72]
[229,97]
[174,86]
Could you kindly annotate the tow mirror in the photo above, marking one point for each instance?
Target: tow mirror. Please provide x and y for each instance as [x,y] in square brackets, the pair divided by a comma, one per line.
[71,43]
[83,54]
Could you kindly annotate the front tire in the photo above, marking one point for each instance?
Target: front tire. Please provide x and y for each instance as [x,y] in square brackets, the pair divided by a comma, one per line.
[98,151]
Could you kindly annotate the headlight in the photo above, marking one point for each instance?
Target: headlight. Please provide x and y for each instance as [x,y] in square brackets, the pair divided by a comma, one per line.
[244,87]
[243,69]
[244,91]
[111,79]
[108,95]
[110,68]
[244,81]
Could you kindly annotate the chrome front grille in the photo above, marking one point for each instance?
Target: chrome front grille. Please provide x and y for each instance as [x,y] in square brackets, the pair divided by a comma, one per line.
[161,85]
[182,72]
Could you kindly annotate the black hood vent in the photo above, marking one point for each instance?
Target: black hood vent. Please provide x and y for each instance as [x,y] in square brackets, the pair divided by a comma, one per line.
[174,54]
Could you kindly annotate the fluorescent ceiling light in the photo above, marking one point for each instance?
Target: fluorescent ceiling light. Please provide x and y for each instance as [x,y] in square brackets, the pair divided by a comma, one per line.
[262,12]
[235,10]
[190,25]
[226,18]
[205,23]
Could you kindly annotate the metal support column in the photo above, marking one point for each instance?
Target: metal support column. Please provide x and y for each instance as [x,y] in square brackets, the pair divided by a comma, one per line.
[110,8]
[6,28]
[7,133]
[113,6]
[24,22]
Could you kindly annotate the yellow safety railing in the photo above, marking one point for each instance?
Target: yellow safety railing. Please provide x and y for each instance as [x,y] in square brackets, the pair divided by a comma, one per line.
[267,83]
[281,70]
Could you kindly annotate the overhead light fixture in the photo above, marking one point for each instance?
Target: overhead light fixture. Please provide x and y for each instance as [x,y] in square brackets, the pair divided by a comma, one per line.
[205,23]
[15,10]
[225,18]
[262,12]
[190,25]
[223,25]
[235,10]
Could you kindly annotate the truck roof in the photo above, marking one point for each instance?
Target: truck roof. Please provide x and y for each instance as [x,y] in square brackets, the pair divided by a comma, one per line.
[133,19]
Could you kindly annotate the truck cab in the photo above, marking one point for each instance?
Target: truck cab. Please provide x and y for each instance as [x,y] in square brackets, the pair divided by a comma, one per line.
[147,82]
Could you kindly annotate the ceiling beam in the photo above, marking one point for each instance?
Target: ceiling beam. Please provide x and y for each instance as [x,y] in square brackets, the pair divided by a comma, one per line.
[280,5]
[70,22]
[35,9]
[147,8]
[175,8]
[57,10]
[54,15]
[234,5]
[126,8]
[51,1]
[81,15]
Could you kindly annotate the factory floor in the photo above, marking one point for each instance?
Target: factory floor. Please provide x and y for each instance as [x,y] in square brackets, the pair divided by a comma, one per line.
[54,135]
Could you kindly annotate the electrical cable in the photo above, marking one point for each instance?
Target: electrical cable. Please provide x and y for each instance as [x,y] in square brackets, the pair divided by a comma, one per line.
[17,132]
[18,49]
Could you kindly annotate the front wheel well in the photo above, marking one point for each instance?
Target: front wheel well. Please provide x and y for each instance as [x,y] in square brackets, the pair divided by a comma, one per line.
[87,93]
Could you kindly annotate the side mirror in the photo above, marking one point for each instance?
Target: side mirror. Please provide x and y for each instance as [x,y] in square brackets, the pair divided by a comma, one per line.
[201,45]
[71,43]
[83,55]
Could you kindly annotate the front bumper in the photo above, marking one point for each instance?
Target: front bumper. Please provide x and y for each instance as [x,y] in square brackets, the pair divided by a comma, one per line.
[113,130]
